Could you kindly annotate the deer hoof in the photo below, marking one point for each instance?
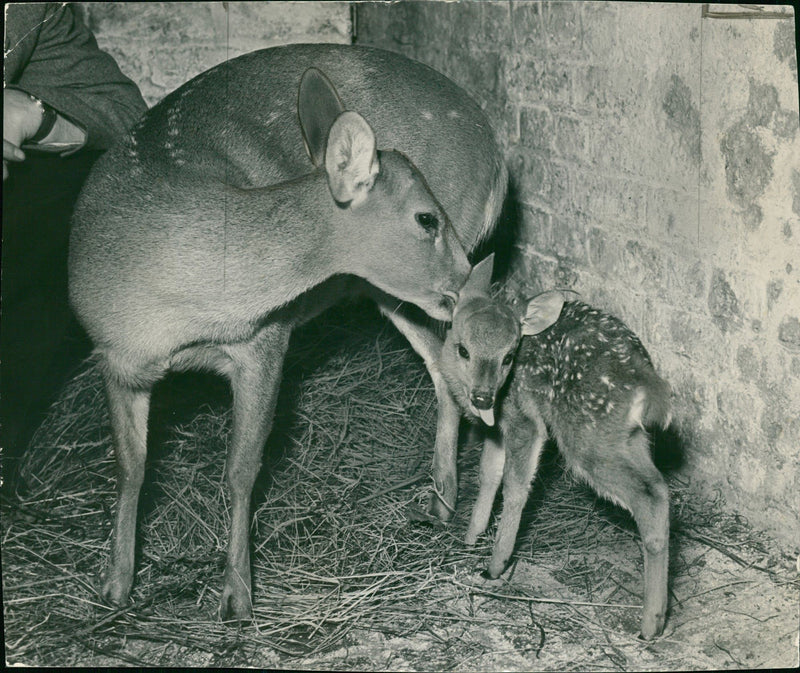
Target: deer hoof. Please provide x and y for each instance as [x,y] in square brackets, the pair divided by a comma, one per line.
[235,606]
[439,509]
[652,626]
[113,590]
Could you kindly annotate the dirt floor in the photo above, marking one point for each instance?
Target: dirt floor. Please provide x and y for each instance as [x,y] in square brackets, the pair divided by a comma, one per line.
[723,616]
[346,574]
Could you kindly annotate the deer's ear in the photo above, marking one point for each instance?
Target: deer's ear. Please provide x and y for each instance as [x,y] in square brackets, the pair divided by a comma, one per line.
[480,279]
[351,159]
[318,106]
[542,311]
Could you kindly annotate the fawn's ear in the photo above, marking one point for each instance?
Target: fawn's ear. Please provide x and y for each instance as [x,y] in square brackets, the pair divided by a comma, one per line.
[318,106]
[351,159]
[542,311]
[480,279]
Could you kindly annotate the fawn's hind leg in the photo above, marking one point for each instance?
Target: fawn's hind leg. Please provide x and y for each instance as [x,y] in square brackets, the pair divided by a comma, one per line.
[630,479]
[523,441]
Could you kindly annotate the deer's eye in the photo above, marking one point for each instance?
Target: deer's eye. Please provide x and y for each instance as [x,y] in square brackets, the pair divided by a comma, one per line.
[508,359]
[428,221]
[463,352]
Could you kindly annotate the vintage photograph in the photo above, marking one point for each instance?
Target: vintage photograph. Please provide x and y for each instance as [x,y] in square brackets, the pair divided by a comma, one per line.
[401,336]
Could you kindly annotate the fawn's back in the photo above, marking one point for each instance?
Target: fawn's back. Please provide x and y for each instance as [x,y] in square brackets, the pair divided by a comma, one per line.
[588,368]
[575,364]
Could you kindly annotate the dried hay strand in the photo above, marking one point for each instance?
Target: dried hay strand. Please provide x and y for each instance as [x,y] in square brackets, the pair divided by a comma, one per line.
[335,547]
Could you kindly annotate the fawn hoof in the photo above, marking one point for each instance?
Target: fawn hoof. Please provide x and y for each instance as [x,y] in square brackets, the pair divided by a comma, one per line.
[652,626]
[470,539]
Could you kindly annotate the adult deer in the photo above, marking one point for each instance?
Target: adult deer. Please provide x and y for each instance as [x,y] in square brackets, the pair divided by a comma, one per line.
[205,237]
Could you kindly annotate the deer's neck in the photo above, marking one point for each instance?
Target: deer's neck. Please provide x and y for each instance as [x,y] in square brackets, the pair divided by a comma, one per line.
[282,240]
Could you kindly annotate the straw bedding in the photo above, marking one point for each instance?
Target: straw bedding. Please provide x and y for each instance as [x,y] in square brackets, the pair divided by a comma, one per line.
[339,542]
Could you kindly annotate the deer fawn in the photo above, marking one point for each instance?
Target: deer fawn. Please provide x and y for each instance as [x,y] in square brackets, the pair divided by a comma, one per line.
[585,376]
[204,237]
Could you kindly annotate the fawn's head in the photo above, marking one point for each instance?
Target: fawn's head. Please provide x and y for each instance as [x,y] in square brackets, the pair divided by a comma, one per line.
[480,346]
[393,232]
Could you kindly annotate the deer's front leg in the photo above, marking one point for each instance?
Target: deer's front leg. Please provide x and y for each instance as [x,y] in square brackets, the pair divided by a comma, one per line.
[255,379]
[445,453]
[428,345]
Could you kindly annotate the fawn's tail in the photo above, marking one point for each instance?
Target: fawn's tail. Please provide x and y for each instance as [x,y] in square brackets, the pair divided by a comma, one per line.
[651,403]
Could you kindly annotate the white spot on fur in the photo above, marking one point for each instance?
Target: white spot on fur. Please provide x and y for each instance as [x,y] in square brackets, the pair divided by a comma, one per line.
[427,115]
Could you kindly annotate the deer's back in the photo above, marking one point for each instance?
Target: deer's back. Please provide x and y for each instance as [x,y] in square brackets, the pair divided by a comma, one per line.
[237,123]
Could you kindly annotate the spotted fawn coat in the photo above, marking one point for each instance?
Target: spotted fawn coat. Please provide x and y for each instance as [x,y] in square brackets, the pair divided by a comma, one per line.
[580,375]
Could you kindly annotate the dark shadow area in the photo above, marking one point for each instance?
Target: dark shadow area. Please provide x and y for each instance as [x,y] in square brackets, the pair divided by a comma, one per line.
[41,342]
[504,237]
[669,448]
[176,399]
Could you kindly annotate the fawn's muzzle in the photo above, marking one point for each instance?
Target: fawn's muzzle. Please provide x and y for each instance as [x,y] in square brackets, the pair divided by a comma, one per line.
[482,399]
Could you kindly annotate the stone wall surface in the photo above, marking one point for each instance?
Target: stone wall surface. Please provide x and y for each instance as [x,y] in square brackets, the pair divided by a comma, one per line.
[161,45]
[655,158]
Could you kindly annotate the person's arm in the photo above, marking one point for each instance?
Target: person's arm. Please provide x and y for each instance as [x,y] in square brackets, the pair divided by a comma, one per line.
[27,120]
[69,73]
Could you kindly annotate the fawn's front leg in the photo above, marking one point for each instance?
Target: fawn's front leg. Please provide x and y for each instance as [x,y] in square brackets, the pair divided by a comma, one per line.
[523,440]
[255,379]
[493,460]
[129,408]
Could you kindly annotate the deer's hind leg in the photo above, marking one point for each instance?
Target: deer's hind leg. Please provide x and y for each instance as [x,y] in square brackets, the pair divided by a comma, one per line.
[626,475]
[129,408]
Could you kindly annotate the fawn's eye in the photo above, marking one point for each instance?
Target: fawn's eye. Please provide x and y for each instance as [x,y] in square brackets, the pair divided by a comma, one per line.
[463,352]
[508,359]
[428,221]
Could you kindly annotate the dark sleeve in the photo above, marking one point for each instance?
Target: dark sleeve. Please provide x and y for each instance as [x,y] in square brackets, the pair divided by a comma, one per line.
[69,72]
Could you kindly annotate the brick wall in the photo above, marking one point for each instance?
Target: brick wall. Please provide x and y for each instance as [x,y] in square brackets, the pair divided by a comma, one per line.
[161,45]
[654,158]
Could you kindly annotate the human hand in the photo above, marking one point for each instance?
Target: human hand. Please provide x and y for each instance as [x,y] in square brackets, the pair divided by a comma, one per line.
[10,153]
[21,120]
